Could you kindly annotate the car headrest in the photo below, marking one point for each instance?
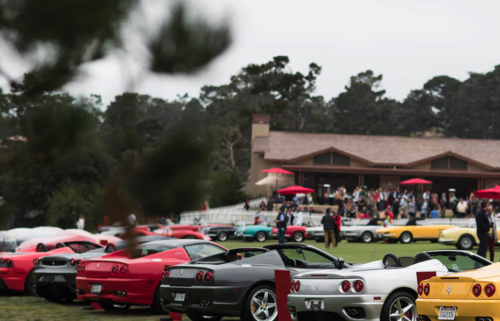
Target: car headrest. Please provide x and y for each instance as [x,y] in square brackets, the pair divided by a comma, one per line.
[391,260]
[60,245]
[248,254]
[421,257]
[41,248]
[110,248]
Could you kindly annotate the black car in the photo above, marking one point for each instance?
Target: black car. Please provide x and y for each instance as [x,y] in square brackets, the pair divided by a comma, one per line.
[239,282]
[219,233]
[54,277]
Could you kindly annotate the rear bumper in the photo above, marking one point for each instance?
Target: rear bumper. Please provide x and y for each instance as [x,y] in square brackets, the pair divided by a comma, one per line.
[51,284]
[466,309]
[12,280]
[336,305]
[226,299]
[138,291]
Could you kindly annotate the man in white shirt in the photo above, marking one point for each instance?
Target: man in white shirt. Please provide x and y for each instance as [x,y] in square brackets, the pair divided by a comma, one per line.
[132,219]
[298,218]
[462,208]
[262,218]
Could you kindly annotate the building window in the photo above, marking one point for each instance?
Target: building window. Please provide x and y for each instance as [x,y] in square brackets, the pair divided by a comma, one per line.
[339,159]
[323,158]
[440,163]
[448,162]
[456,163]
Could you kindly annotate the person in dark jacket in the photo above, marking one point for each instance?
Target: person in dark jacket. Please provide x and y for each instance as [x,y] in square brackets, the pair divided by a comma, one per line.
[281,221]
[62,222]
[483,227]
[328,226]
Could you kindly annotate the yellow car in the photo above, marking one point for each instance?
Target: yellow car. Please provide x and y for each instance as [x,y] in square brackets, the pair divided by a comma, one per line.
[407,230]
[461,296]
[464,238]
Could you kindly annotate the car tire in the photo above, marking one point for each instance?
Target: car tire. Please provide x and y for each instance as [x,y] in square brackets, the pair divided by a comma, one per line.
[465,242]
[195,316]
[29,288]
[222,237]
[298,237]
[189,237]
[261,237]
[156,306]
[406,237]
[110,306]
[249,307]
[367,237]
[406,299]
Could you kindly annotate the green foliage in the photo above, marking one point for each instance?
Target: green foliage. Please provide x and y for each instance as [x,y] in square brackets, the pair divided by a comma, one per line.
[74,200]
[183,44]
[226,189]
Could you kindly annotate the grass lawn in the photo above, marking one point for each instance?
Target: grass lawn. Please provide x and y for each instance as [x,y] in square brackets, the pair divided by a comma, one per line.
[20,308]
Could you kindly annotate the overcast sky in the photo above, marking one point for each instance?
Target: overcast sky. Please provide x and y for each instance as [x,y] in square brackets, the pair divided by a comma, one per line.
[408,42]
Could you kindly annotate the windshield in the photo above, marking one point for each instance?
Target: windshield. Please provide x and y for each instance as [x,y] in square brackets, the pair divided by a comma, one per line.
[400,222]
[306,259]
[199,251]
[456,262]
[364,221]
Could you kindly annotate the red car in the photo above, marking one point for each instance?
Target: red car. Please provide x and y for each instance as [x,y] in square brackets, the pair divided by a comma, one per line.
[180,234]
[144,230]
[295,233]
[16,269]
[124,278]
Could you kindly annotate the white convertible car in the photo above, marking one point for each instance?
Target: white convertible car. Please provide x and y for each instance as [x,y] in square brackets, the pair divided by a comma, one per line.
[381,290]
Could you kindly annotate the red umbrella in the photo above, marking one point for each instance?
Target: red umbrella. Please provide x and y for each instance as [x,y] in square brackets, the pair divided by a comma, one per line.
[276,170]
[493,193]
[415,181]
[292,190]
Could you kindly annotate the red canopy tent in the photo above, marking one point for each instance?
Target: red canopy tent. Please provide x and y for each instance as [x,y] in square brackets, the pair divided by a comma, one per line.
[493,193]
[276,170]
[292,190]
[415,181]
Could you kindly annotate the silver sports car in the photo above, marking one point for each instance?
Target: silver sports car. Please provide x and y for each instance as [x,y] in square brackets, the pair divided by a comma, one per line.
[381,290]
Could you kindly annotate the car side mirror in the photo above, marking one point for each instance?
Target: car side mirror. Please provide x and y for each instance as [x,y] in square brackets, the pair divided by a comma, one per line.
[340,262]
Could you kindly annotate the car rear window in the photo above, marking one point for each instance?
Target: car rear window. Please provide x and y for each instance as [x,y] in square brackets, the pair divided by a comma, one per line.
[199,251]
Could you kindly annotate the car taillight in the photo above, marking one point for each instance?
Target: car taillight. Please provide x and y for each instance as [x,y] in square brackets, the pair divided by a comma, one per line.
[1,260]
[114,269]
[420,289]
[199,276]
[489,290]
[72,262]
[476,290]
[36,261]
[296,286]
[358,286]
[427,289]
[165,275]
[123,269]
[209,276]
[10,261]
[292,287]
[346,286]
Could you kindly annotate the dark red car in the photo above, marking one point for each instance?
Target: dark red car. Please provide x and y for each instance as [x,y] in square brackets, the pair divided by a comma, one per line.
[16,269]
[132,277]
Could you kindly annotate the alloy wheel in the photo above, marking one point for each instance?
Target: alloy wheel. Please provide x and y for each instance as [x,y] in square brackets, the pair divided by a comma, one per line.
[403,309]
[263,305]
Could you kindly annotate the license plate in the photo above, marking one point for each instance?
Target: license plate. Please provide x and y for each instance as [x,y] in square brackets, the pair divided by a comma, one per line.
[180,297]
[96,288]
[447,313]
[315,305]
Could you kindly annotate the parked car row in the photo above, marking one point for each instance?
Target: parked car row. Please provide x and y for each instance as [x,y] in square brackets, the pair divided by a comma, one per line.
[206,281]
